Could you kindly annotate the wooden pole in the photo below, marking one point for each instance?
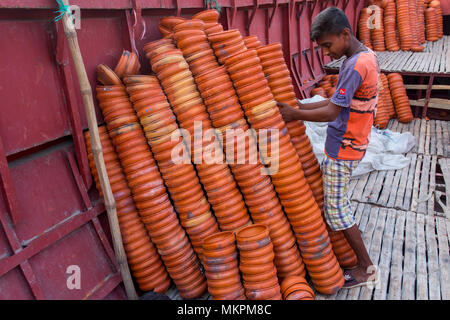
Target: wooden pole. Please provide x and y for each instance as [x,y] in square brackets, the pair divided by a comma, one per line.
[110,203]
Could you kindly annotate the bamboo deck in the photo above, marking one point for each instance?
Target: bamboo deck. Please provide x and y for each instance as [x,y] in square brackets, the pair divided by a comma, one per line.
[404,216]
[435,59]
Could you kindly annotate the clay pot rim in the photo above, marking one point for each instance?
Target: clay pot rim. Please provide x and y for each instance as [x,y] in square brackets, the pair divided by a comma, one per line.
[252,233]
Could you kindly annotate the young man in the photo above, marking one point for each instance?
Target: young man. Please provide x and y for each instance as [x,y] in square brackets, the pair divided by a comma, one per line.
[350,113]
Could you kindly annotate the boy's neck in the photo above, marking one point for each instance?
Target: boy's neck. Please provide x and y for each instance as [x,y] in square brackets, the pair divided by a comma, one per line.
[354,47]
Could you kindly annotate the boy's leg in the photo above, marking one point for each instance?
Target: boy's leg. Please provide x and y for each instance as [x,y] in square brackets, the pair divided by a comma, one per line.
[338,213]
[360,273]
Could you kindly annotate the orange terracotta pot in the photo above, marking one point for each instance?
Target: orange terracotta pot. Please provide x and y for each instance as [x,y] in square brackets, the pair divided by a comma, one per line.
[262,294]
[224,283]
[245,73]
[256,269]
[218,260]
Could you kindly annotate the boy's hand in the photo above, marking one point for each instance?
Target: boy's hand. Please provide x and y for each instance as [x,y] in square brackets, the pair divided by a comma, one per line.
[287,112]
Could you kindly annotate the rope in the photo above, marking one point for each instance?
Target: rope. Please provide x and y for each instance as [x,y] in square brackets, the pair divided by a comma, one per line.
[62,9]
[213,4]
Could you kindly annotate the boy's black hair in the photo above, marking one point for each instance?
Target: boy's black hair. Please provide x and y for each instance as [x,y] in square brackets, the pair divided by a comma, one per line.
[332,20]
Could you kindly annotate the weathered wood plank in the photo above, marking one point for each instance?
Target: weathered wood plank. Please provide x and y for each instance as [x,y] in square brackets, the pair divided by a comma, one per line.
[444,258]
[444,163]
[422,277]
[439,138]
[359,189]
[416,134]
[395,185]
[407,62]
[413,191]
[393,59]
[432,137]
[407,175]
[397,61]
[409,265]
[427,137]
[396,274]
[385,257]
[379,183]
[367,194]
[422,134]
[358,210]
[424,196]
[387,187]
[421,67]
[434,285]
[380,291]
[445,138]
[351,187]
[432,186]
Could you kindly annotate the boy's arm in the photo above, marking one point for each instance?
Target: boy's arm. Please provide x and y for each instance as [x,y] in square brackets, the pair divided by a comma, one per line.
[313,105]
[326,113]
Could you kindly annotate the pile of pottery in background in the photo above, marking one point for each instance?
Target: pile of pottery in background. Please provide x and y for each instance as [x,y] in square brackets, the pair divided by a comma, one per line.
[400,24]
[234,228]
[393,101]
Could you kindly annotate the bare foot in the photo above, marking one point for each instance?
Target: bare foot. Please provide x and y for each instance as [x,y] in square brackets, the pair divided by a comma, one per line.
[357,277]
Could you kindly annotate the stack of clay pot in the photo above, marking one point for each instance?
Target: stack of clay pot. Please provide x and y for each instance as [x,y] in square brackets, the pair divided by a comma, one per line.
[166,24]
[401,101]
[191,39]
[290,184]
[280,83]
[363,26]
[180,177]
[107,77]
[296,288]
[220,259]
[390,27]
[216,178]
[178,84]
[149,191]
[252,42]
[431,24]
[421,21]
[256,263]
[440,20]
[227,43]
[128,64]
[436,4]
[382,115]
[278,75]
[388,97]
[211,20]
[256,187]
[226,113]
[403,22]
[328,85]
[334,79]
[145,263]
[377,30]
[413,22]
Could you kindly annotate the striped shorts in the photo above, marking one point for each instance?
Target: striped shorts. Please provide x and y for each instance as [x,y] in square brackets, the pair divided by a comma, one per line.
[336,177]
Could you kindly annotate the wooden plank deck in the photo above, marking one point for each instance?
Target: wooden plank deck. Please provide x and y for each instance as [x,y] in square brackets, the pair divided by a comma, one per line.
[415,187]
[434,59]
[404,217]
